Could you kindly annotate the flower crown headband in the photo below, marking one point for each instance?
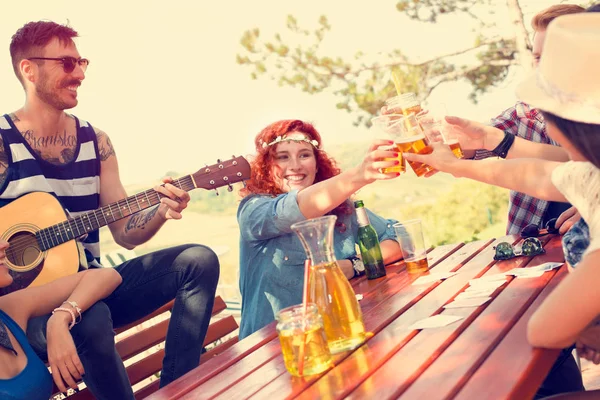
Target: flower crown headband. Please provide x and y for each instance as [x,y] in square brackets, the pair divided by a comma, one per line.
[294,137]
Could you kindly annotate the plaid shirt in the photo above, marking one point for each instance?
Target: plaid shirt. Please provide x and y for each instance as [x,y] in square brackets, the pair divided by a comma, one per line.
[528,123]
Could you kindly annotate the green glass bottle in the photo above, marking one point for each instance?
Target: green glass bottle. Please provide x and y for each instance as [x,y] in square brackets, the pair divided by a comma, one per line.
[368,243]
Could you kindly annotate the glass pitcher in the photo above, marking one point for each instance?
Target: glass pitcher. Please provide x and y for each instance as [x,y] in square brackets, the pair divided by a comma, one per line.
[328,288]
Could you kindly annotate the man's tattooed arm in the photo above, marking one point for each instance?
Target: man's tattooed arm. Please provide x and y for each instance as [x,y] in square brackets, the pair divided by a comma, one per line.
[105,146]
[140,220]
[3,163]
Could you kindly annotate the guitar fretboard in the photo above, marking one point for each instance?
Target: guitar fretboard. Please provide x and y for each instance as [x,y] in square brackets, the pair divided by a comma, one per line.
[90,221]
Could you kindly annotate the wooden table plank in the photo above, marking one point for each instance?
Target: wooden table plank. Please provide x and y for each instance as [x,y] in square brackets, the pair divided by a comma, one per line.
[359,361]
[390,376]
[246,379]
[455,363]
[494,380]
[434,257]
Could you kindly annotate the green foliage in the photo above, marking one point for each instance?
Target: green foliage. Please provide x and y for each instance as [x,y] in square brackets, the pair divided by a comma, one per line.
[461,214]
[430,10]
[207,202]
[360,86]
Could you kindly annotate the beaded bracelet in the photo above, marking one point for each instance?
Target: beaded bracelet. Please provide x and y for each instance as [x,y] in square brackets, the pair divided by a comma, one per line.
[76,308]
[72,324]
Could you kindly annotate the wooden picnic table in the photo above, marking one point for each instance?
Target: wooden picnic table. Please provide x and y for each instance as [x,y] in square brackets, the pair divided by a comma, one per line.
[483,356]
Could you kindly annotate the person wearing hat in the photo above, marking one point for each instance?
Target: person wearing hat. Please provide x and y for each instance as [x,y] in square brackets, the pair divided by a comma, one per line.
[566,88]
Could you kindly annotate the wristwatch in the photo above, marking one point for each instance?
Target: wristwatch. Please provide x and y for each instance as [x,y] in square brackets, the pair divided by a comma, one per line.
[504,146]
[357,264]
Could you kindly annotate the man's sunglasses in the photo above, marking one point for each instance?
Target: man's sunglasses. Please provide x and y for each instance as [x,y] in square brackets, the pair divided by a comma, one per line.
[530,247]
[533,230]
[68,63]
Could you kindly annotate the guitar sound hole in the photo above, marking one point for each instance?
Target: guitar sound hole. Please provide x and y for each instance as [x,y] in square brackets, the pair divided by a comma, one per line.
[23,249]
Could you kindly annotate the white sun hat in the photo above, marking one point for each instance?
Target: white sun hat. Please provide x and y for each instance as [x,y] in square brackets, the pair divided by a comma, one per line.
[567,80]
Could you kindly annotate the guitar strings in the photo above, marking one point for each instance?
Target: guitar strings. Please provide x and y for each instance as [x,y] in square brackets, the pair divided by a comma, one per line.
[19,244]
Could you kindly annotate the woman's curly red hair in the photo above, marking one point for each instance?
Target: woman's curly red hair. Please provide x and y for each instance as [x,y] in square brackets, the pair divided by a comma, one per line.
[261,179]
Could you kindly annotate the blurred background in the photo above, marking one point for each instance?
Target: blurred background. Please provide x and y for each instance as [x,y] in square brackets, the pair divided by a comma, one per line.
[178,84]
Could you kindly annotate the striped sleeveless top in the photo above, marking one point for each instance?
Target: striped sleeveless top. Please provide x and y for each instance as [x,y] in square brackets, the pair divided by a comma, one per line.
[76,184]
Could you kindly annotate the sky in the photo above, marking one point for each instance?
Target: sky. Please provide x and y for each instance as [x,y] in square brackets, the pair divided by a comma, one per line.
[163,82]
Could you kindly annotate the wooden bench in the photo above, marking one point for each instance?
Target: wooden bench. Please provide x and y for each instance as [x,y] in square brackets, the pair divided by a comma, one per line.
[143,335]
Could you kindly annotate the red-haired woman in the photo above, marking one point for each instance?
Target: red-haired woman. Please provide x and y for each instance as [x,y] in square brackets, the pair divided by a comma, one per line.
[293,179]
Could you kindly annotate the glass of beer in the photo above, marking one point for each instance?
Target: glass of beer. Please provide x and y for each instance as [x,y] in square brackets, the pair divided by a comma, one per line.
[302,335]
[436,128]
[412,139]
[451,139]
[386,124]
[405,104]
[410,236]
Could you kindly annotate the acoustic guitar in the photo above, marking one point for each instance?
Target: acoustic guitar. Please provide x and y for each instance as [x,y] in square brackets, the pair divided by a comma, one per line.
[42,237]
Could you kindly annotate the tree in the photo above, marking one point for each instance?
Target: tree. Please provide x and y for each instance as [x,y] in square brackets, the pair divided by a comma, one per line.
[361,86]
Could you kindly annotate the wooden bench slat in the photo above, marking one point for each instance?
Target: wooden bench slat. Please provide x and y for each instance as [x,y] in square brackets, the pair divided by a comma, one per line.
[85,394]
[155,334]
[147,390]
[143,340]
[218,306]
[154,386]
[147,338]
[145,367]
[165,308]
[151,364]
[215,351]
[220,328]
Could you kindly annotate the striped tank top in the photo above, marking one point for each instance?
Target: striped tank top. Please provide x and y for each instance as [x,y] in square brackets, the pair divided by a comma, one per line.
[75,184]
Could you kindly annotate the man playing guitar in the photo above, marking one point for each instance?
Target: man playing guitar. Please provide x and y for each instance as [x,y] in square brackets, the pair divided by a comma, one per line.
[44,149]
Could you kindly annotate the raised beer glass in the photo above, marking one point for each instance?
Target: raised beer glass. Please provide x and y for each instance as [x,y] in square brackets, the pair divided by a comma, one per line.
[385,123]
[408,137]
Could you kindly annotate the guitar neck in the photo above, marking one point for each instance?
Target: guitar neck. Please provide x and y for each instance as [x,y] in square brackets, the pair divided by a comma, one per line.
[92,220]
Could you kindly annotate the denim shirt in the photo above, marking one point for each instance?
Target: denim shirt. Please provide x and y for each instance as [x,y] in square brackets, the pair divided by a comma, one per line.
[272,257]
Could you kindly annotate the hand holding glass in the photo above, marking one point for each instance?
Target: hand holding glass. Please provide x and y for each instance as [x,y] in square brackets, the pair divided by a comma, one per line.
[407,136]
[436,129]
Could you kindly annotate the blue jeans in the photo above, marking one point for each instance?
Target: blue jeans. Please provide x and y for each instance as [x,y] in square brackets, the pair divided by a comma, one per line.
[187,273]
[564,377]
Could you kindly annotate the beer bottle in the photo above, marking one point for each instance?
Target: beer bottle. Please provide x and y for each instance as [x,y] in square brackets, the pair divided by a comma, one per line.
[368,243]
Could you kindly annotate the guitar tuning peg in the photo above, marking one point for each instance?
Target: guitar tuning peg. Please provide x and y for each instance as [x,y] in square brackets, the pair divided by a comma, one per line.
[229,187]
[233,156]
[218,161]
[216,192]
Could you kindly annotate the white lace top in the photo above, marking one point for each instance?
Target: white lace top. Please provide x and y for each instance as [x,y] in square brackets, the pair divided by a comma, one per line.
[579,182]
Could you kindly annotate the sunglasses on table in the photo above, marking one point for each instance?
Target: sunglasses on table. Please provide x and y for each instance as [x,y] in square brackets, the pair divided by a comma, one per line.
[68,63]
[530,247]
[533,230]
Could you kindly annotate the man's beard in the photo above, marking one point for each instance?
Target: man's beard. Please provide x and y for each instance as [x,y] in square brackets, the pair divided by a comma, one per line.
[50,96]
